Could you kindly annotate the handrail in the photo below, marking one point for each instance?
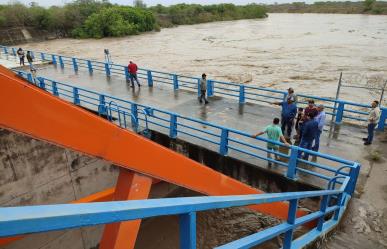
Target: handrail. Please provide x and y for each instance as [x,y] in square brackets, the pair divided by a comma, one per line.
[340,113]
[176,124]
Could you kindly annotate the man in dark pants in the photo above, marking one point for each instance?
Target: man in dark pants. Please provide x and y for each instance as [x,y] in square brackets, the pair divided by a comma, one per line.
[309,132]
[132,67]
[289,111]
[373,120]
[203,89]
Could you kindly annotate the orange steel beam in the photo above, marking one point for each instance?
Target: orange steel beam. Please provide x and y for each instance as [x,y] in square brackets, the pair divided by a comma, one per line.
[123,235]
[37,113]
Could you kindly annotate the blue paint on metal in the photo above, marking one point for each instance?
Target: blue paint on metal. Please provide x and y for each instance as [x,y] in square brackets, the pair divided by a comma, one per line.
[76,99]
[53,59]
[107,69]
[41,83]
[293,204]
[173,127]
[340,112]
[42,57]
[210,88]
[134,116]
[75,64]
[149,78]
[242,98]
[14,51]
[198,86]
[383,119]
[175,82]
[30,78]
[292,164]
[5,50]
[55,88]
[61,61]
[102,105]
[90,66]
[127,75]
[187,223]
[223,149]
[323,207]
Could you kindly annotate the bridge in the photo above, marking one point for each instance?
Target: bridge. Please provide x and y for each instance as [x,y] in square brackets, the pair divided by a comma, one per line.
[167,104]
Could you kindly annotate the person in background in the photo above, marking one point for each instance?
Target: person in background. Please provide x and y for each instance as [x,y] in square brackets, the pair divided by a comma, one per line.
[30,61]
[289,111]
[373,119]
[320,118]
[311,108]
[299,121]
[20,54]
[203,89]
[291,95]
[309,131]
[274,133]
[132,68]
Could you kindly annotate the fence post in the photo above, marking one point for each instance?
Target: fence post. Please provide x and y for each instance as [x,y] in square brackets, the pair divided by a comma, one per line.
[5,50]
[90,66]
[14,51]
[127,75]
[340,204]
[30,78]
[382,120]
[55,89]
[339,112]
[242,98]
[150,78]
[292,164]
[75,65]
[53,59]
[323,207]
[134,116]
[102,105]
[223,149]
[210,88]
[187,230]
[175,82]
[42,84]
[107,69]
[42,57]
[293,204]
[61,61]
[199,87]
[353,174]
[173,126]
[76,99]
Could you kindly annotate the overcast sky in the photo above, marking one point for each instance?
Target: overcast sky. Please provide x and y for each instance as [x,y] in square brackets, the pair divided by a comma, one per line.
[164,2]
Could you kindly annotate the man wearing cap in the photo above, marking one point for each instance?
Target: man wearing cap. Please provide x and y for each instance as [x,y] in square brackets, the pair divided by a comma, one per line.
[289,111]
[373,119]
[291,95]
[320,118]
[203,89]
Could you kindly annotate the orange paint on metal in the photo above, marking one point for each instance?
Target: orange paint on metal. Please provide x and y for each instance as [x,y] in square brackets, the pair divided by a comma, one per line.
[32,111]
[123,235]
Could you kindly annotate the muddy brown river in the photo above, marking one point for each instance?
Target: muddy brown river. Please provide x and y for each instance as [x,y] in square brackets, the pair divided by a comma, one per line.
[305,51]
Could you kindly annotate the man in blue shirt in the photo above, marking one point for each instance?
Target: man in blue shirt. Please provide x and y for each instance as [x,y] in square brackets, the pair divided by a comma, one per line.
[289,111]
[309,132]
[320,118]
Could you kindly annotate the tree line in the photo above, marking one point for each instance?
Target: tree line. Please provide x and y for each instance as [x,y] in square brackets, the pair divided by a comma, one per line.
[100,18]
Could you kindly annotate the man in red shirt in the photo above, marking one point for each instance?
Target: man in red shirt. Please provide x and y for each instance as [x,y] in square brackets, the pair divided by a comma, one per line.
[132,67]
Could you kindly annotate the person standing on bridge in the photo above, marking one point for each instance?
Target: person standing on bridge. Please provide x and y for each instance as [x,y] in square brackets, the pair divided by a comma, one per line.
[273,132]
[308,134]
[30,61]
[20,54]
[291,95]
[289,111]
[373,120]
[132,68]
[320,118]
[203,89]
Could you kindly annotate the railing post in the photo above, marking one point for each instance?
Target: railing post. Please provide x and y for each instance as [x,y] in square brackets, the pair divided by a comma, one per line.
[173,126]
[102,105]
[75,64]
[353,174]
[210,88]
[42,57]
[90,66]
[5,50]
[187,224]
[339,112]
[242,98]
[42,84]
[76,99]
[55,89]
[30,78]
[323,207]
[175,82]
[14,51]
[127,75]
[382,120]
[134,116]
[150,78]
[292,164]
[61,61]
[199,88]
[293,204]
[340,204]
[107,69]
[53,57]
[223,149]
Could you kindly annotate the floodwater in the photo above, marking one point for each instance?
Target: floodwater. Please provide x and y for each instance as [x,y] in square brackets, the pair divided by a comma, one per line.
[304,51]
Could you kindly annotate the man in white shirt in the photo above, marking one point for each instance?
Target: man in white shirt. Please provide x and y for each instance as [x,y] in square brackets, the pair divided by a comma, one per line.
[373,119]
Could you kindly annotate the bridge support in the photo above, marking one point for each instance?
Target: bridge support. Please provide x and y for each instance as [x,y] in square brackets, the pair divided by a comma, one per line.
[130,186]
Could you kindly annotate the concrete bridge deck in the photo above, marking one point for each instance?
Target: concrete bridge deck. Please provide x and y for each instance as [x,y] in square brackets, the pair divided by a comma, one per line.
[343,141]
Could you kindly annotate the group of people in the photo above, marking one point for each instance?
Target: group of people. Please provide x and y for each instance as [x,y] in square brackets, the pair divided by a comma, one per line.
[309,124]
[20,53]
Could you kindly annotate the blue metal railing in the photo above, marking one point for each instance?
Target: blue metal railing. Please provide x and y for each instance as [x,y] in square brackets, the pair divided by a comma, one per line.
[34,219]
[222,139]
[339,109]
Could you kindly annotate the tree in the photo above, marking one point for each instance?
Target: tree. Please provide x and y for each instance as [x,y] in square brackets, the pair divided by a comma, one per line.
[368,5]
[139,4]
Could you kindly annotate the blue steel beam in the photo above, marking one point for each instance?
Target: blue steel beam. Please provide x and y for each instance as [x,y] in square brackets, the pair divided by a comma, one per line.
[34,219]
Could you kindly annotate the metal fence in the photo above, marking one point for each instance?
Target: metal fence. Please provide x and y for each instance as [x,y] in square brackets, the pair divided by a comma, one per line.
[339,109]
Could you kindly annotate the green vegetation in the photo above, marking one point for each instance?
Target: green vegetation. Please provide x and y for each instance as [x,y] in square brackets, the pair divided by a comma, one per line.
[365,7]
[97,19]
